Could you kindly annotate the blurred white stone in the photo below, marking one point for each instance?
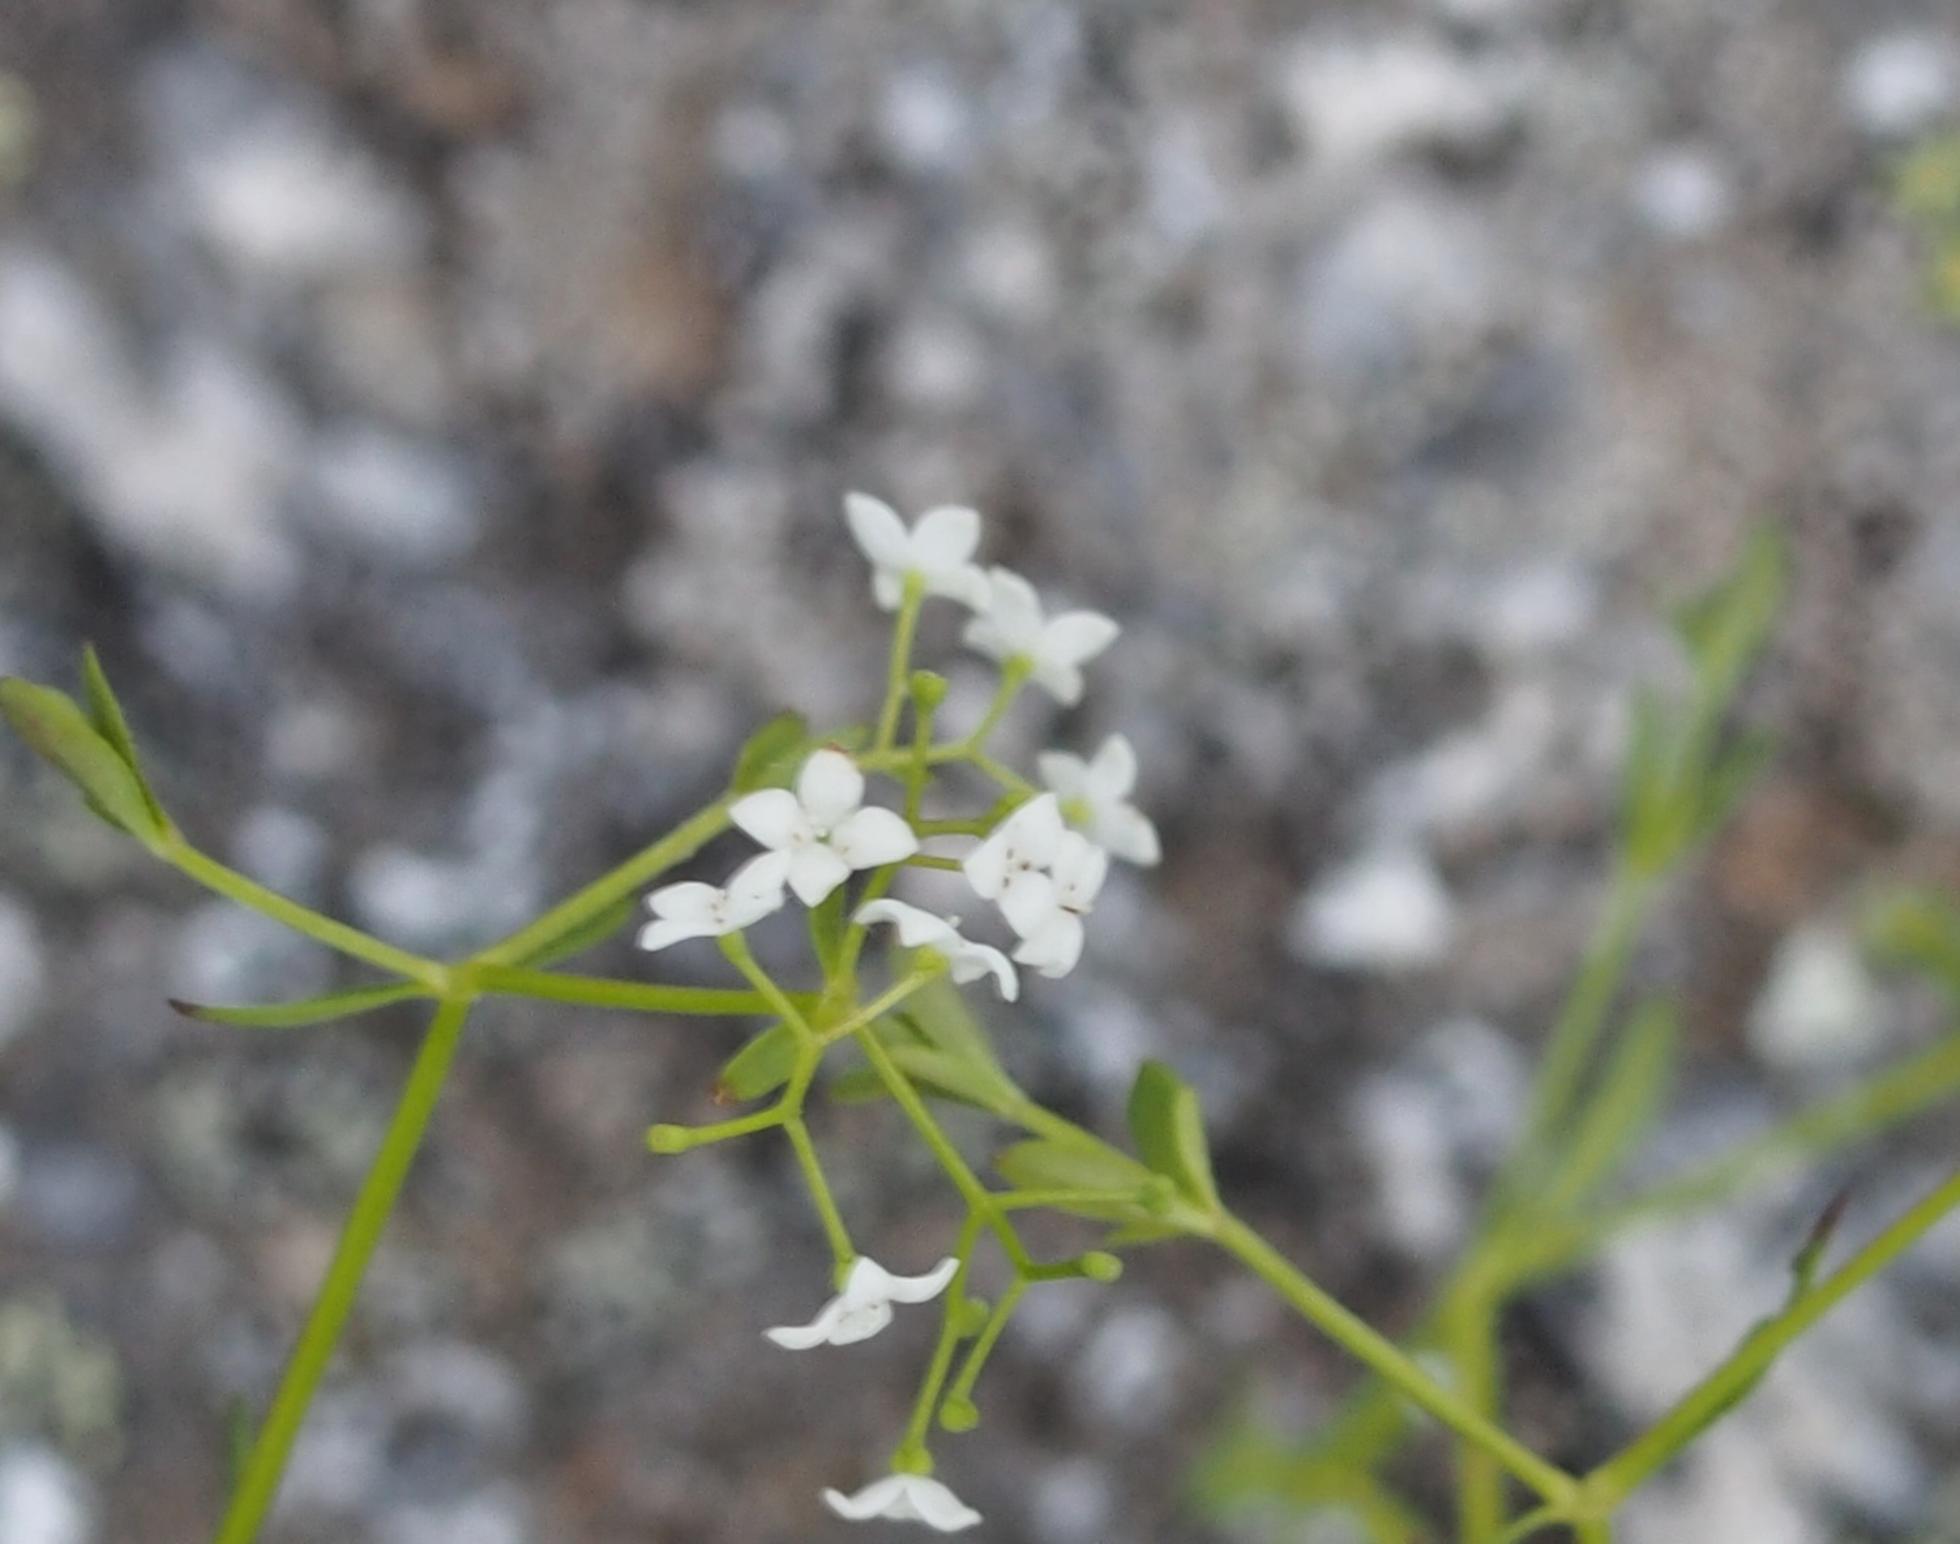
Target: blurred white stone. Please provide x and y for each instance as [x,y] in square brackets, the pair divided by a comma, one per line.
[924,120]
[1900,83]
[394,498]
[1073,1503]
[1819,1007]
[1421,1201]
[285,198]
[42,1500]
[1131,1366]
[1386,911]
[23,971]
[1359,100]
[1683,193]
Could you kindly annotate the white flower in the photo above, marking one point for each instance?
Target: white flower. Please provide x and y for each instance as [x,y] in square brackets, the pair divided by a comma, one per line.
[864,1307]
[966,960]
[1052,943]
[1095,794]
[695,910]
[822,829]
[905,1498]
[1011,626]
[1010,867]
[939,550]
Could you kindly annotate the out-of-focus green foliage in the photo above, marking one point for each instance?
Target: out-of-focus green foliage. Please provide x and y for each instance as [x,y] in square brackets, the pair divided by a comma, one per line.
[1928,193]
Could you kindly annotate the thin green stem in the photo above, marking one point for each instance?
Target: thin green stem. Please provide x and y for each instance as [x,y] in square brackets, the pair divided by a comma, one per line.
[841,1248]
[1369,1346]
[1472,1344]
[1725,1387]
[1003,774]
[233,885]
[899,671]
[983,1345]
[610,888]
[913,1451]
[736,948]
[671,1138]
[1013,676]
[259,1483]
[879,1006]
[604,992]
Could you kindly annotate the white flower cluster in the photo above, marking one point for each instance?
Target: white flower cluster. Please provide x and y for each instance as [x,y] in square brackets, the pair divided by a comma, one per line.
[1042,867]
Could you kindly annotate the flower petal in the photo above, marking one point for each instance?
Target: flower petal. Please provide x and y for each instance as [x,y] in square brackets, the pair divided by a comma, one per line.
[887,588]
[1035,830]
[981,635]
[815,872]
[916,926]
[1081,868]
[1076,637]
[872,837]
[1056,947]
[986,866]
[772,816]
[965,584]
[829,787]
[872,1501]
[661,935]
[802,1337]
[860,1321]
[689,901]
[937,1507]
[945,537]
[1068,776]
[923,1289]
[1128,833]
[1060,681]
[1028,902]
[1112,774]
[756,889]
[972,961]
[879,533]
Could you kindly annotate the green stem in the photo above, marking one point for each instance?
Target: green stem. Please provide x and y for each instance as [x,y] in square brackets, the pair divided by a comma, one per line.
[841,1248]
[983,1347]
[1013,676]
[736,948]
[1379,1353]
[259,1483]
[899,672]
[1722,1389]
[913,1452]
[1472,1342]
[603,992]
[610,888]
[233,885]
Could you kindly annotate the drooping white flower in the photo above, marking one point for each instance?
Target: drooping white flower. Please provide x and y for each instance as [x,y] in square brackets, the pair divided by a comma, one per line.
[905,1498]
[696,910]
[1095,795]
[1010,867]
[1011,625]
[1051,943]
[939,550]
[864,1307]
[922,929]
[823,828]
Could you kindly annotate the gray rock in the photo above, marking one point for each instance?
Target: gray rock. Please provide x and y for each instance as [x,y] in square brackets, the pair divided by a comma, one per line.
[23,968]
[1386,911]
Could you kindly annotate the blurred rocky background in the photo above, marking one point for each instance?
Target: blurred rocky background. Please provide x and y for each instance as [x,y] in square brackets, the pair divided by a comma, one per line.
[437,410]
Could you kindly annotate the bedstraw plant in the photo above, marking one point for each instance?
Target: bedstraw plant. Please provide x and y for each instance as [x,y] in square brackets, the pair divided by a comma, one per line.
[832,822]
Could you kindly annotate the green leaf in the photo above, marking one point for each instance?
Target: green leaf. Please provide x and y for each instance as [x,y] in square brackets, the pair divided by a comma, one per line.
[769,757]
[1730,778]
[62,734]
[1725,628]
[1043,1164]
[313,1010]
[1918,930]
[1803,1268]
[1631,1090]
[1169,1130]
[580,937]
[107,715]
[939,1016]
[760,1067]
[938,1076]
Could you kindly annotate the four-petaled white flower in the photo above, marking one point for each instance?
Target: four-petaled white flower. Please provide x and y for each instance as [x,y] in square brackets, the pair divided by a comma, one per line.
[1095,795]
[938,550]
[864,1307]
[823,829]
[1010,868]
[696,910]
[905,1498]
[1012,626]
[1052,943]
[922,929]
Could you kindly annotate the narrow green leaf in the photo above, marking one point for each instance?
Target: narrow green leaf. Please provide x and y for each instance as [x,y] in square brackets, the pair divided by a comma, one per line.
[295,1015]
[1918,930]
[107,715]
[62,734]
[938,1076]
[760,1067]
[1803,1269]
[585,935]
[858,1085]
[1041,1164]
[770,756]
[1734,771]
[1726,627]
[1169,1130]
[1631,1090]
[939,1016]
